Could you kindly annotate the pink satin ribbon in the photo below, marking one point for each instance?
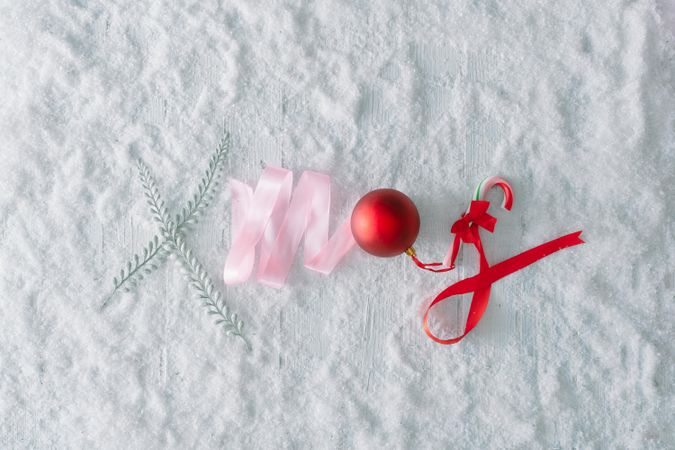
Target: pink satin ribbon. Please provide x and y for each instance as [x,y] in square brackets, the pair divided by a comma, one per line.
[277,220]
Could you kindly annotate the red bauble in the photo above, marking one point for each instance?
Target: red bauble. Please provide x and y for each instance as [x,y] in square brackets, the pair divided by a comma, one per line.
[385,222]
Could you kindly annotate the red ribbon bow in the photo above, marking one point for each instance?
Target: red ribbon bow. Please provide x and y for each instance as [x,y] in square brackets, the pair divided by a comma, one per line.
[478,215]
[466,230]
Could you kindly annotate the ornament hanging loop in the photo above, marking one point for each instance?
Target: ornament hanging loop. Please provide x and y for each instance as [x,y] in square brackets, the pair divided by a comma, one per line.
[426,266]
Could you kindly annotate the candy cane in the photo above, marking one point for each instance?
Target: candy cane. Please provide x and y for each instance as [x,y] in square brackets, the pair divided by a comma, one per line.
[479,194]
[484,187]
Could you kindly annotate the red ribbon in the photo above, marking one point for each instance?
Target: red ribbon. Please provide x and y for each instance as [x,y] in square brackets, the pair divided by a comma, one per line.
[430,266]
[466,230]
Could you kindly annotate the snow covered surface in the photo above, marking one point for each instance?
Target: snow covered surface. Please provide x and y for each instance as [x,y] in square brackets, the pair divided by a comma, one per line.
[572,101]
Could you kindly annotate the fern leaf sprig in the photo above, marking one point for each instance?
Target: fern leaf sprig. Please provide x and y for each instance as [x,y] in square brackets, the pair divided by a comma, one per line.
[172,240]
[134,270]
[159,212]
[196,274]
[204,289]
[200,200]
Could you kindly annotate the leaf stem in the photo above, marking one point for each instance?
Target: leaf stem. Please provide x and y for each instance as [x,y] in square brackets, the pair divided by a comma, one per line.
[132,273]
[202,284]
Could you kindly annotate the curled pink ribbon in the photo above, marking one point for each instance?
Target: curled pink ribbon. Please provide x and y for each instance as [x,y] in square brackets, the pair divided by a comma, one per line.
[278,220]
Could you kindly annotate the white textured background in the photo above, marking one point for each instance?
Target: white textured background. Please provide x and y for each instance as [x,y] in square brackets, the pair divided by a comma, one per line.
[572,101]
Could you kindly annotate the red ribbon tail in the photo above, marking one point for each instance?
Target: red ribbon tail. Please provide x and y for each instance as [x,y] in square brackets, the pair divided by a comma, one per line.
[524,259]
[481,282]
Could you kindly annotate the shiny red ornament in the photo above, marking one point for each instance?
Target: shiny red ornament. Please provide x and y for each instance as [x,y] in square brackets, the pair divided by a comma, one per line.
[385,222]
